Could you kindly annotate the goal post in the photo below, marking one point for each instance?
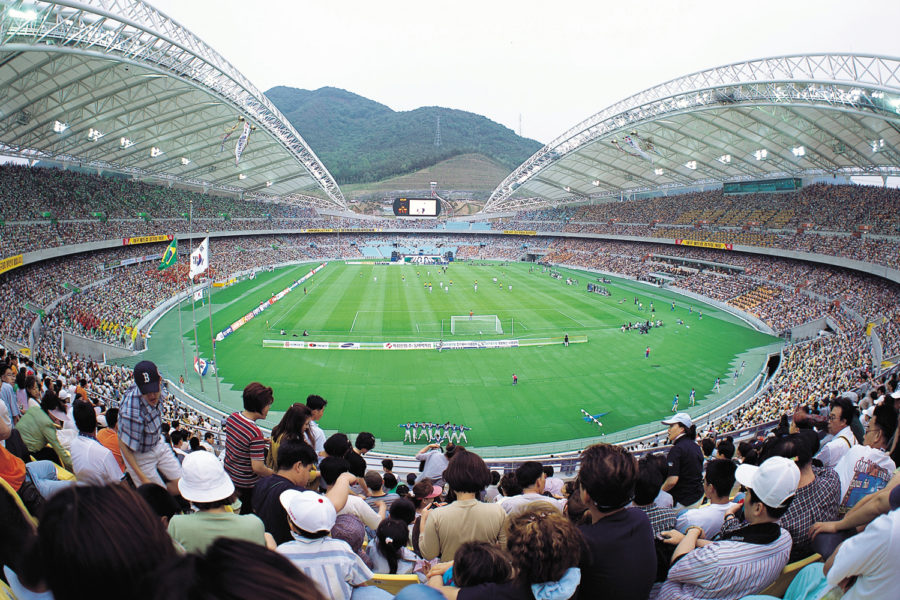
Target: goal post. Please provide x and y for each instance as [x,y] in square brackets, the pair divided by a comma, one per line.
[475,324]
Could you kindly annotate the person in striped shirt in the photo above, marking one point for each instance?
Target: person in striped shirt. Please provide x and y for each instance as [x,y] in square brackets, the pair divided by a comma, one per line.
[245,446]
[746,560]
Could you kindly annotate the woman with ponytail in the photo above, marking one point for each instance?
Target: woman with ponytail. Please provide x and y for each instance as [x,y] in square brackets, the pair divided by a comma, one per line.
[388,551]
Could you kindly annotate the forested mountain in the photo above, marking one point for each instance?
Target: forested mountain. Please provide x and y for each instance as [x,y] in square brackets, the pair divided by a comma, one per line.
[360,140]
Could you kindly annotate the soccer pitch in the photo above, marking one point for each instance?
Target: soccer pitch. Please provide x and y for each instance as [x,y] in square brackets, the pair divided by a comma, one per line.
[377,390]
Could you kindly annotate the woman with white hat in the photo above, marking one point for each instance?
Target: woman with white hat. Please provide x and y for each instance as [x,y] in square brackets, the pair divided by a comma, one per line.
[205,484]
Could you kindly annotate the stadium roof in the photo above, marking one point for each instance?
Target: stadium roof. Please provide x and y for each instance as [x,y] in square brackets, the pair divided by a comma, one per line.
[788,116]
[117,85]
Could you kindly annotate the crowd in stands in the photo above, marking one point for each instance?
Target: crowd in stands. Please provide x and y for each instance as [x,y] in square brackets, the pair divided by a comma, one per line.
[301,516]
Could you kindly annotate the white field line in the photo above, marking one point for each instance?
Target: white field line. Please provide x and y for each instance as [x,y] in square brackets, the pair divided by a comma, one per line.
[571,318]
[354,320]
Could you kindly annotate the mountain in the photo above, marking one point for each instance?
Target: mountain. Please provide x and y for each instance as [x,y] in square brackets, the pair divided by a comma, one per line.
[362,141]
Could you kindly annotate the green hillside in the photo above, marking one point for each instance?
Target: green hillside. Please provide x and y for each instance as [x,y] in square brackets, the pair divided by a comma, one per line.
[360,140]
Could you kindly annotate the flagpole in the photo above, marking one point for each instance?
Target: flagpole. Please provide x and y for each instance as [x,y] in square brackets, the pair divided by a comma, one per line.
[181,336]
[211,337]
[193,311]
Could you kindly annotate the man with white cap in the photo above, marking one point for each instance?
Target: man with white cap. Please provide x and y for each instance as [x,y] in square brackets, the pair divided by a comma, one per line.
[744,561]
[331,563]
[685,460]
[140,427]
[205,484]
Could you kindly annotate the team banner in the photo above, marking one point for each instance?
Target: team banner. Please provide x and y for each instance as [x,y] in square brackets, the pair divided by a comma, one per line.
[518,232]
[242,143]
[265,304]
[700,244]
[147,239]
[8,264]
[317,231]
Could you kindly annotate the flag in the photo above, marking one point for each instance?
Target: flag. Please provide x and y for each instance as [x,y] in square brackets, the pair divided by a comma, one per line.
[241,143]
[169,257]
[198,295]
[200,259]
[201,366]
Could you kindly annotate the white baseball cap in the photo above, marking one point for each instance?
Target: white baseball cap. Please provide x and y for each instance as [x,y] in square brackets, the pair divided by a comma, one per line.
[204,478]
[681,419]
[773,482]
[308,510]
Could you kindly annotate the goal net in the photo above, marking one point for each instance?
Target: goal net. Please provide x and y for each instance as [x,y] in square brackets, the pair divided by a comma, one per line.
[475,324]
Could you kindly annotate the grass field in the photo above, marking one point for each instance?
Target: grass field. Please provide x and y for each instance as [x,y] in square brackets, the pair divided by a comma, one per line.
[374,390]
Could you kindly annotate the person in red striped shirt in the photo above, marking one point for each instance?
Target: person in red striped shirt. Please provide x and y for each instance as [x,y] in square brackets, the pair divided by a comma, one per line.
[245,446]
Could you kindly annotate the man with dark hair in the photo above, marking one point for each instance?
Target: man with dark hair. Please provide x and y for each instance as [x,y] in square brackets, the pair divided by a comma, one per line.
[646,488]
[316,405]
[109,437]
[492,491]
[93,463]
[245,446]
[839,419]
[552,485]
[746,560]
[387,465]
[435,463]
[140,426]
[375,485]
[365,441]
[331,468]
[817,498]
[717,484]
[532,478]
[294,462]
[621,562]
[866,468]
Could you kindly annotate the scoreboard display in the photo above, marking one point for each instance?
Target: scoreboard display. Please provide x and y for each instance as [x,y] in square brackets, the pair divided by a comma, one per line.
[417,207]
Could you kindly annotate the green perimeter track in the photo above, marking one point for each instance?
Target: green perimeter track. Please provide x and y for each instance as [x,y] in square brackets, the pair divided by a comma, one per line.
[375,390]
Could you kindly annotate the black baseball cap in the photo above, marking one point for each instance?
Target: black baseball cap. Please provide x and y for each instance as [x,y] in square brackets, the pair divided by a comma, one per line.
[146,377]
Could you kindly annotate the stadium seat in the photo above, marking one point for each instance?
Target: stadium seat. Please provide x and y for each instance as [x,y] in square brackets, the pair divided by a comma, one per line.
[5,592]
[64,475]
[18,500]
[780,586]
[394,583]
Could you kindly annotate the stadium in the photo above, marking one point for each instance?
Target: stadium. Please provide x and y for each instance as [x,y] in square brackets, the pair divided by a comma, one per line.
[700,248]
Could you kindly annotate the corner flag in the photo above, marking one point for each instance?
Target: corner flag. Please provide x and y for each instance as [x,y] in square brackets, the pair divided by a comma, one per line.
[169,257]
[200,259]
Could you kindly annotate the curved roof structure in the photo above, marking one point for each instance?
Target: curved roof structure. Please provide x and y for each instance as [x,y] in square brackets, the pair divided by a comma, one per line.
[115,84]
[787,116]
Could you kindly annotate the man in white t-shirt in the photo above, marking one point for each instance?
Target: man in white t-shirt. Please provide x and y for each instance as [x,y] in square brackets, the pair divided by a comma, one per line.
[331,468]
[92,462]
[316,405]
[839,419]
[867,467]
[530,475]
[717,484]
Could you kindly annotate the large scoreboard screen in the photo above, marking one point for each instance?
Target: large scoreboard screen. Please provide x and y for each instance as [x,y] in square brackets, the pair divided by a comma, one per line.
[762,186]
[417,207]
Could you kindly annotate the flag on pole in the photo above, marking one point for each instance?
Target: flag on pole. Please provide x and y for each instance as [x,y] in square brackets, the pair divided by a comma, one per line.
[200,366]
[200,259]
[198,295]
[169,257]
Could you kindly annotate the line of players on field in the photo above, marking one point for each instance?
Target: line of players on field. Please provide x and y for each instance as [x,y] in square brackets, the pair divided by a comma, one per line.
[435,432]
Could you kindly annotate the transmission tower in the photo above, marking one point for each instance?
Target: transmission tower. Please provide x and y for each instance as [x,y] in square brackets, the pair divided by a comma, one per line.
[437,132]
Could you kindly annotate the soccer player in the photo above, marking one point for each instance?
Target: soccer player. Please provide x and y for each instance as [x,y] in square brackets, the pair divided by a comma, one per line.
[470,315]
[675,404]
[407,431]
[673,305]
[693,399]
[515,379]
[566,341]
[717,384]
[463,430]
[743,364]
[647,352]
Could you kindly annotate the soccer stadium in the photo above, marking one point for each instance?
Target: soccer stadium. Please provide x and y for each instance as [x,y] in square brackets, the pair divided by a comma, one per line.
[658,359]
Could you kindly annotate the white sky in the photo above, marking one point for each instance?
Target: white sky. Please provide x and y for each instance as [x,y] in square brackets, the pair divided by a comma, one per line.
[553,63]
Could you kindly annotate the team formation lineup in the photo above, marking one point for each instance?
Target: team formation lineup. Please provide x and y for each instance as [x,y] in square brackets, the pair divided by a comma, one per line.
[522,348]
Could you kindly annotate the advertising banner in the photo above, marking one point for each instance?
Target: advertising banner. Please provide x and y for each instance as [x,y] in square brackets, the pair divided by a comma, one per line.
[146,239]
[8,264]
[699,244]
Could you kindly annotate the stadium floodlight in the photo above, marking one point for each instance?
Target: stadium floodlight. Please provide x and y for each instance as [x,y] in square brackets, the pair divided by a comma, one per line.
[877,144]
[474,324]
[94,135]
[658,171]
[59,126]
[241,176]
[268,184]
[761,154]
[799,151]
[691,164]
[185,161]
[154,152]
[567,188]
[124,142]
[725,159]
[596,182]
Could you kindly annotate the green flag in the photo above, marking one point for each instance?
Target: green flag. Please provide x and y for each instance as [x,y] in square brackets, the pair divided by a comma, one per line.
[170,256]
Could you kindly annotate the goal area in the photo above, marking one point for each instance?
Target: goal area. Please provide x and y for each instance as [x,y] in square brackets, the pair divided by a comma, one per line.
[475,324]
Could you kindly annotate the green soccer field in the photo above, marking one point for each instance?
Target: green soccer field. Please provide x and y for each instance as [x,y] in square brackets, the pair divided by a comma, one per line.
[376,390]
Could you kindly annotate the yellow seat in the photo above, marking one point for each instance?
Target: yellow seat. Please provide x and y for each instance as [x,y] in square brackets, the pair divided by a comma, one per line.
[5,592]
[394,583]
[780,585]
[63,474]
[18,500]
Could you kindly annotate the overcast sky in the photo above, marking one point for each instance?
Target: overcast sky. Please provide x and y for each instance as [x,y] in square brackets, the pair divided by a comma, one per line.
[555,63]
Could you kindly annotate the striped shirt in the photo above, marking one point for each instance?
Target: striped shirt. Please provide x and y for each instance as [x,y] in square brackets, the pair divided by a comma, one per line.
[140,425]
[330,563]
[726,569]
[244,442]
